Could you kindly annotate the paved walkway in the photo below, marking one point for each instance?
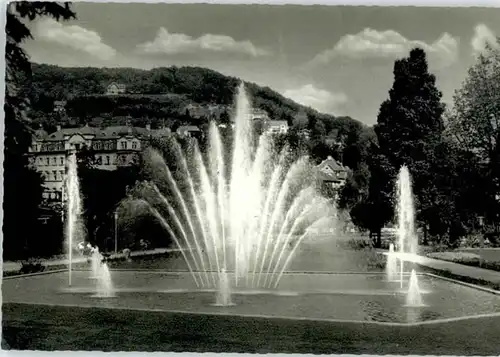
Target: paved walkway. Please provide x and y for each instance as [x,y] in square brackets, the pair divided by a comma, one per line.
[466,271]
[15,266]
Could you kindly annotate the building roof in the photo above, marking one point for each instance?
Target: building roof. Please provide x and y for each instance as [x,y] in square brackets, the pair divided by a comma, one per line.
[110,132]
[327,168]
[334,165]
[62,133]
[119,85]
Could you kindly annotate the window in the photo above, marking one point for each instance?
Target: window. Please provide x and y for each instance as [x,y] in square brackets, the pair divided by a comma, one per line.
[40,160]
[61,173]
[123,145]
[61,161]
[47,161]
[77,146]
[134,145]
[98,160]
[54,175]
[107,160]
[54,161]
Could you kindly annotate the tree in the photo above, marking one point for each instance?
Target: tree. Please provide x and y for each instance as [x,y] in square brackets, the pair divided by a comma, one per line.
[376,208]
[410,126]
[22,185]
[474,121]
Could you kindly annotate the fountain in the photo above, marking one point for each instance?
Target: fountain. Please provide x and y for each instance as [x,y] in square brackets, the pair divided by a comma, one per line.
[104,286]
[407,238]
[224,290]
[413,297]
[238,224]
[392,264]
[95,261]
[406,213]
[73,210]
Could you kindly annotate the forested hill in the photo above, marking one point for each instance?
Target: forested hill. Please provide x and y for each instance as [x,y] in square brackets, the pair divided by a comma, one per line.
[150,94]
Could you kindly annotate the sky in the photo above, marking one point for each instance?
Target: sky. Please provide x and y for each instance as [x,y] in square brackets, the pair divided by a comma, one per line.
[336,59]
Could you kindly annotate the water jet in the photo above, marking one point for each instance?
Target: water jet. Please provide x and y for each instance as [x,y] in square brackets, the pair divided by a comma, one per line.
[413,297]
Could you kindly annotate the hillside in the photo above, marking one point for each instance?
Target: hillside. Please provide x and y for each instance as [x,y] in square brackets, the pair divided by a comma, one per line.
[158,96]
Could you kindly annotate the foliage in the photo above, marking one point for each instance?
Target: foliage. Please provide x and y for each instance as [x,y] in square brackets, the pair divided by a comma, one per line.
[31,266]
[473,125]
[102,192]
[154,95]
[22,185]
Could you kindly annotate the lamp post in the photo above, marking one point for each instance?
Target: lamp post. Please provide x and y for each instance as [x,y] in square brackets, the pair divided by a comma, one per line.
[116,232]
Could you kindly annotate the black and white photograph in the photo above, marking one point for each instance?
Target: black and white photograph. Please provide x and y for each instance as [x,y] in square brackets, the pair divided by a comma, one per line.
[251,178]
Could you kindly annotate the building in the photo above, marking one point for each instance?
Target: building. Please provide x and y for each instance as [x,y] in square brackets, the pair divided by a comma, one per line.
[60,106]
[197,111]
[114,146]
[331,173]
[189,131]
[115,88]
[277,127]
[259,114]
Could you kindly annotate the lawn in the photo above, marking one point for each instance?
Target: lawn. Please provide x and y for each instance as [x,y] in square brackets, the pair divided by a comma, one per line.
[482,258]
[63,328]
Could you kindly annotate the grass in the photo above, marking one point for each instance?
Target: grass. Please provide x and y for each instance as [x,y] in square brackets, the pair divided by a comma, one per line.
[467,258]
[466,279]
[63,328]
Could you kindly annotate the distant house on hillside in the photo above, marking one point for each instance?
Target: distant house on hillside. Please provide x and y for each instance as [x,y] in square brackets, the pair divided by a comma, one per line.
[277,127]
[189,131]
[196,110]
[331,173]
[259,114]
[115,88]
[60,106]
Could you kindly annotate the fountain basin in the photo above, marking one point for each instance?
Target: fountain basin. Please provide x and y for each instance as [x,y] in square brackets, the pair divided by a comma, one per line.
[343,297]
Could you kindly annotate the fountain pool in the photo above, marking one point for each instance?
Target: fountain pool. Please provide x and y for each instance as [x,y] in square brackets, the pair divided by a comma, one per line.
[362,297]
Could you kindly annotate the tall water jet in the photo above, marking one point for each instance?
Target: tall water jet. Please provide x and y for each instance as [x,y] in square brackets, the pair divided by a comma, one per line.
[407,241]
[73,209]
[413,297]
[407,238]
[224,290]
[392,264]
[240,206]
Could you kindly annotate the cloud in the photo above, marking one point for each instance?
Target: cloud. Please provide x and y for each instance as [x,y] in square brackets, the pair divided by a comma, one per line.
[319,99]
[74,37]
[482,36]
[371,43]
[177,43]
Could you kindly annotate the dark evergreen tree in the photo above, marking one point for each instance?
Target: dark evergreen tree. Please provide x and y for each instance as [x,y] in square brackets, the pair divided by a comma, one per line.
[409,128]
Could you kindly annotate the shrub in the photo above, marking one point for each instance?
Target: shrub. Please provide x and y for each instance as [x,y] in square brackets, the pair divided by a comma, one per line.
[456,257]
[360,243]
[31,266]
